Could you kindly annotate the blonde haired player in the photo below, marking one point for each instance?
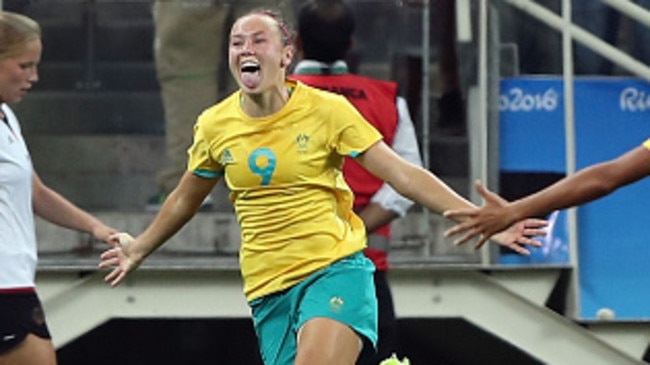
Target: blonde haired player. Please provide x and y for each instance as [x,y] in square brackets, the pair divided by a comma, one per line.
[279,146]
[24,335]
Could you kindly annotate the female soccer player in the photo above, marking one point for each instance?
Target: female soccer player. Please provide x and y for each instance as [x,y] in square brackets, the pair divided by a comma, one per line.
[280,146]
[24,336]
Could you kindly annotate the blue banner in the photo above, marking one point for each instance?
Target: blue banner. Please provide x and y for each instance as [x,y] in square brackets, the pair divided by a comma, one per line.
[612,116]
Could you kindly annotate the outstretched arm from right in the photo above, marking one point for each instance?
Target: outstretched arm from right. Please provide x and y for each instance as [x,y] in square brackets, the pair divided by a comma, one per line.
[179,207]
[584,186]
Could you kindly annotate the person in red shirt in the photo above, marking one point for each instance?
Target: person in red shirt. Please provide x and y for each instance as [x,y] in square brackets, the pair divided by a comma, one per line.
[323,44]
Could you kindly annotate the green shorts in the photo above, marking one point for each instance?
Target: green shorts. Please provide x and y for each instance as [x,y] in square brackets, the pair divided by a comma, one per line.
[343,291]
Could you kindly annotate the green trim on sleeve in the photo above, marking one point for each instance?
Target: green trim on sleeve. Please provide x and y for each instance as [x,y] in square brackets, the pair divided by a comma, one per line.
[208,174]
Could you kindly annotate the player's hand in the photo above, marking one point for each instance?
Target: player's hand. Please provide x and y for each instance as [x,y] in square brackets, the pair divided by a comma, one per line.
[494,218]
[520,235]
[119,257]
[102,232]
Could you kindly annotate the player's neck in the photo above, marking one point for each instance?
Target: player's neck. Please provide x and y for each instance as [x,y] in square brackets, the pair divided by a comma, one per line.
[265,104]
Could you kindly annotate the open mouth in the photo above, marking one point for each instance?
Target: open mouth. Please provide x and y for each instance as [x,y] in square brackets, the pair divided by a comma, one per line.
[250,74]
[250,67]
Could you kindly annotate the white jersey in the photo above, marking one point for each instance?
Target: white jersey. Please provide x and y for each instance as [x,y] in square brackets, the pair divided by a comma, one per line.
[18,253]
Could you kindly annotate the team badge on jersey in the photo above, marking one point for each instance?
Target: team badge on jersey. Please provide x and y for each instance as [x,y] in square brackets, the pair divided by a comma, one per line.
[302,142]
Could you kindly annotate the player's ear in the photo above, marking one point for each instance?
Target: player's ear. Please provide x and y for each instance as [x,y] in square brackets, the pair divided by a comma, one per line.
[287,56]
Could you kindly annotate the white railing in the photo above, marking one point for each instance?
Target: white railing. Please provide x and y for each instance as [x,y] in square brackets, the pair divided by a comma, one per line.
[586,38]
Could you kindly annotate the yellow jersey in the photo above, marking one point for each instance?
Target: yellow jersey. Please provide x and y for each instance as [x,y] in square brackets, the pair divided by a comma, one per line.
[284,174]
